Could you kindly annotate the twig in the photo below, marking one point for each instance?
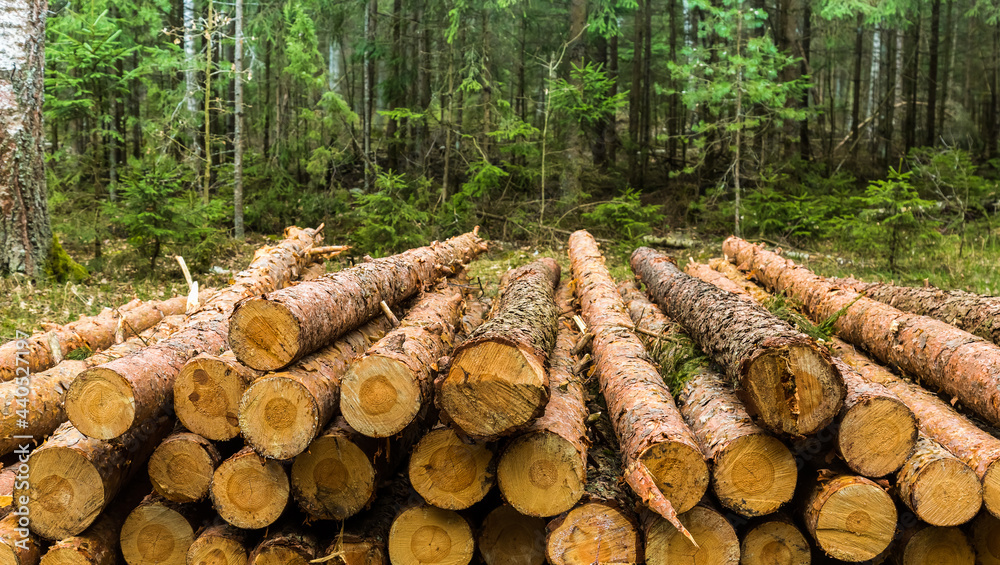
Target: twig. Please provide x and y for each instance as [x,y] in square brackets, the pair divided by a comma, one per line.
[388,314]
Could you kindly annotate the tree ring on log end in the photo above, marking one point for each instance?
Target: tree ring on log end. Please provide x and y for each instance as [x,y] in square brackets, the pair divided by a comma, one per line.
[278,417]
[508,537]
[217,550]
[837,527]
[775,543]
[154,533]
[718,544]
[755,474]
[541,474]
[425,534]
[279,555]
[594,532]
[206,398]
[449,473]
[877,436]
[268,334]
[101,403]
[991,489]
[680,472]
[181,471]
[378,396]
[946,492]
[57,556]
[249,492]
[333,479]
[66,492]
[986,538]
[939,546]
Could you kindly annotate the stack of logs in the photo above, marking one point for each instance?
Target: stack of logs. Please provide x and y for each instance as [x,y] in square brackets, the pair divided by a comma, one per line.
[364,417]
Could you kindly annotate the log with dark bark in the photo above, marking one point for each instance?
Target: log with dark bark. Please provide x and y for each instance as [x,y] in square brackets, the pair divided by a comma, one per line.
[655,442]
[106,401]
[975,447]
[953,360]
[425,534]
[784,377]
[497,382]
[272,331]
[181,467]
[17,547]
[219,544]
[773,541]
[974,313]
[286,546]
[248,491]
[933,545]
[44,402]
[73,477]
[160,531]
[542,472]
[385,389]
[986,538]
[337,475]
[449,472]
[508,537]
[937,486]
[717,541]
[207,394]
[849,517]
[282,412]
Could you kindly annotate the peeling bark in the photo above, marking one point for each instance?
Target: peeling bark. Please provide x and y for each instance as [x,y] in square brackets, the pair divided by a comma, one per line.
[937,486]
[849,517]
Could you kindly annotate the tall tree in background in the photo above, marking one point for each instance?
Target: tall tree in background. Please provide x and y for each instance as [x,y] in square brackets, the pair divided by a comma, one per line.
[25,234]
[238,133]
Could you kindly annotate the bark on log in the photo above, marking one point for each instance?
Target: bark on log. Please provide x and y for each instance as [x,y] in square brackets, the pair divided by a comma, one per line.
[717,279]
[595,531]
[875,430]
[542,472]
[181,467]
[425,534]
[649,427]
[717,541]
[753,472]
[282,412]
[849,517]
[976,448]
[272,331]
[106,401]
[934,545]
[7,479]
[385,389]
[497,382]
[219,544]
[287,546]
[450,473]
[508,537]
[73,477]
[938,487]
[248,491]
[775,541]
[207,394]
[953,360]
[159,531]
[47,391]
[974,313]
[784,376]
[986,538]
[15,547]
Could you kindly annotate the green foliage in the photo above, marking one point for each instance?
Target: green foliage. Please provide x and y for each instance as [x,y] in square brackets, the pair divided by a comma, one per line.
[624,217]
[586,97]
[60,267]
[390,218]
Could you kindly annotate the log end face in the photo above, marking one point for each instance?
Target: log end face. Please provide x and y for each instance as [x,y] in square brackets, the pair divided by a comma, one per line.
[991,489]
[857,522]
[425,534]
[59,556]
[541,474]
[66,492]
[775,543]
[877,436]
[939,546]
[154,533]
[509,538]
[181,471]
[248,492]
[680,473]
[986,538]
[333,479]
[716,539]
[206,399]
[278,417]
[379,396]
[449,473]
[946,492]
[264,335]
[279,555]
[101,403]
[755,475]
[216,550]
[594,533]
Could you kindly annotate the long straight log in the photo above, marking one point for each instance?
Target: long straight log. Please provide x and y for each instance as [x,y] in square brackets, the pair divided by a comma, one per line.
[950,359]
[497,382]
[783,375]
[655,441]
[849,517]
[270,332]
[106,401]
[207,394]
[938,487]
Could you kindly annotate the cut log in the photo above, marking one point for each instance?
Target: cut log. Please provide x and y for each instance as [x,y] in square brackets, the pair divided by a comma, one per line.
[17,546]
[248,491]
[649,427]
[270,332]
[775,542]
[849,517]
[717,541]
[450,473]
[363,540]
[974,313]
[753,472]
[875,430]
[717,279]
[281,413]
[337,475]
[595,531]
[384,390]
[978,449]
[219,544]
[543,471]
[785,378]
[933,545]
[425,534]
[106,401]
[938,487]
[953,360]
[73,477]
[44,402]
[508,537]
[986,538]
[159,531]
[181,467]
[8,476]
[287,546]
[207,394]
[497,382]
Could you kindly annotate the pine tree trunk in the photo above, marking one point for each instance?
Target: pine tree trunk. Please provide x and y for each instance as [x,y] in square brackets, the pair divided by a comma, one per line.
[849,517]
[207,393]
[951,27]
[717,541]
[25,234]
[859,35]
[932,82]
[450,473]
[181,467]
[238,133]
[910,79]
[249,491]
[937,486]
[888,129]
